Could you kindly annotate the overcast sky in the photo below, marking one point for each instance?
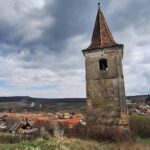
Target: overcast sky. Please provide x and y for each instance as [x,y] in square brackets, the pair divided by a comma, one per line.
[41,43]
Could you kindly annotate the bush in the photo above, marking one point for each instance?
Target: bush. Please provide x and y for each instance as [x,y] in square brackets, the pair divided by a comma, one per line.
[9,138]
[140,126]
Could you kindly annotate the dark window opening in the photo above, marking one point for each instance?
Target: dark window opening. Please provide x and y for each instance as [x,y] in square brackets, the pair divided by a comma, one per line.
[103,64]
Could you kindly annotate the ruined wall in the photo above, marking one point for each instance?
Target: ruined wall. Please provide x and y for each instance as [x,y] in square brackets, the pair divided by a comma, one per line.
[106,105]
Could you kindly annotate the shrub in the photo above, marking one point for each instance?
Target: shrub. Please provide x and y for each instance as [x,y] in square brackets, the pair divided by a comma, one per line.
[140,126]
[14,138]
[9,138]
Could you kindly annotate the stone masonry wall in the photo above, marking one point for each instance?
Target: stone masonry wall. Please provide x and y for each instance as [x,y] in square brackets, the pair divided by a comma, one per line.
[106,105]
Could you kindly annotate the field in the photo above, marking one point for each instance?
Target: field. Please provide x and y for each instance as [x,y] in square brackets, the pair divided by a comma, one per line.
[76,144]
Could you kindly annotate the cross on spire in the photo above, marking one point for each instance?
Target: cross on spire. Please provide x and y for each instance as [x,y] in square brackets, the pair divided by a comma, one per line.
[102,36]
[99,5]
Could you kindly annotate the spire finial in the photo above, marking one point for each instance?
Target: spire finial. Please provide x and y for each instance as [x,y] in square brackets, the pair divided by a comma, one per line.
[99,5]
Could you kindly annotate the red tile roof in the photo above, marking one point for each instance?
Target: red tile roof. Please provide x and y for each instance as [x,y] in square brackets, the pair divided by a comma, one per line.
[71,122]
[102,36]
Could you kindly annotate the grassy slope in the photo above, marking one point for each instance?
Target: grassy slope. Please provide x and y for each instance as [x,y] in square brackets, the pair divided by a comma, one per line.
[76,144]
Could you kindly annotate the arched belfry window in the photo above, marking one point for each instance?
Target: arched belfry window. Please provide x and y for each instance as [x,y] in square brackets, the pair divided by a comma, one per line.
[103,64]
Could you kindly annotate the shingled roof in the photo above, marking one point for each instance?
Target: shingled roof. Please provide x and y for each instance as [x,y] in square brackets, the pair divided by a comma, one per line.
[102,36]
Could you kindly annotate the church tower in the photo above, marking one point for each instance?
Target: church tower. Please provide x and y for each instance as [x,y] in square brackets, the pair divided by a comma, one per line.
[106,103]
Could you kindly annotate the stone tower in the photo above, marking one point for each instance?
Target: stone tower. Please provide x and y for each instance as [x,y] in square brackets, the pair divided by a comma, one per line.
[106,103]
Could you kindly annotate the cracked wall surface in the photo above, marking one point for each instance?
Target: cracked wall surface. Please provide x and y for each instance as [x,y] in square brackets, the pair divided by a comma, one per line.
[106,104]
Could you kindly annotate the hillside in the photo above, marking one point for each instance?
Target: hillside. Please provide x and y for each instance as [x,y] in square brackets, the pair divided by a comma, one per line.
[31,99]
[77,105]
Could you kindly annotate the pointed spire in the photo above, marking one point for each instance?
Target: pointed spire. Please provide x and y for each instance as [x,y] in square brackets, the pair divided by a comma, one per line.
[102,36]
[99,5]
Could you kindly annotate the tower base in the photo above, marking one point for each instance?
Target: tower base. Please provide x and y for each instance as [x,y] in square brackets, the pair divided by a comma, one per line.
[113,130]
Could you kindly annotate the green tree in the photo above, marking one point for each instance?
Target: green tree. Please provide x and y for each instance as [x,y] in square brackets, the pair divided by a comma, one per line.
[148,99]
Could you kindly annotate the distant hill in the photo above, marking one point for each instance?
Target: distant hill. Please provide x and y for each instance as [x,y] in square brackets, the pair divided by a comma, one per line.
[50,104]
[137,97]
[32,99]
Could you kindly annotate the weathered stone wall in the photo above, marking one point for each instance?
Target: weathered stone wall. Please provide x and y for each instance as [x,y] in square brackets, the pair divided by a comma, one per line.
[106,105]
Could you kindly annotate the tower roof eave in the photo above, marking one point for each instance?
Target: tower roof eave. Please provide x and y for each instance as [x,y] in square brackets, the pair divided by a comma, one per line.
[102,47]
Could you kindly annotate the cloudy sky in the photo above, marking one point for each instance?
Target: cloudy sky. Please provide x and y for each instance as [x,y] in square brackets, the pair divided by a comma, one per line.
[41,43]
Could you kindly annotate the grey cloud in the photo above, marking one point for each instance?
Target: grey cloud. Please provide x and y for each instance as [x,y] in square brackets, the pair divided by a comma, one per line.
[71,19]
[136,13]
[43,46]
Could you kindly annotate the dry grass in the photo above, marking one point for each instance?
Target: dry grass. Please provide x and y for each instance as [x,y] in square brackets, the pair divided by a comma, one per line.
[76,144]
[140,126]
